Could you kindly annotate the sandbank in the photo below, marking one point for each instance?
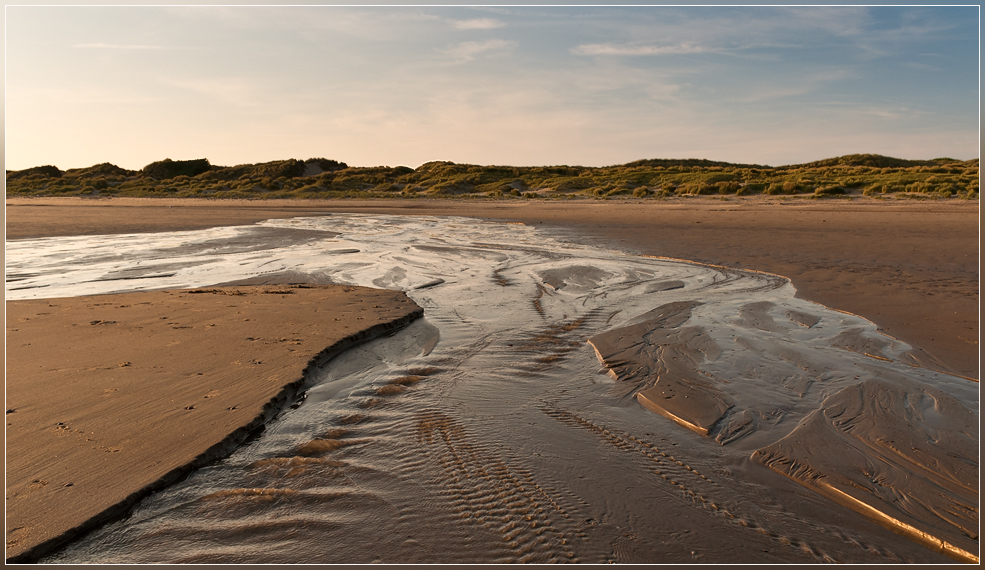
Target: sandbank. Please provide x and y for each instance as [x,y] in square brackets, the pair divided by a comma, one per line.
[111,397]
[910,267]
[865,444]
[747,233]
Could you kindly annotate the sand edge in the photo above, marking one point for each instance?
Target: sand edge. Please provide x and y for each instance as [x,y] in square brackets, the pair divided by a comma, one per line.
[287,395]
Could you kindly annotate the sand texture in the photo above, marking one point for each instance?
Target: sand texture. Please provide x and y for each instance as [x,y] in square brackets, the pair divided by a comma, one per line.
[900,452]
[110,397]
[659,361]
[910,267]
[489,432]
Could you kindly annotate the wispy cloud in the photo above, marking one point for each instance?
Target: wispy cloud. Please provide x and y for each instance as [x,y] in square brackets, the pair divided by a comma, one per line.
[586,85]
[467,51]
[790,85]
[229,90]
[636,50]
[893,114]
[116,46]
[478,24]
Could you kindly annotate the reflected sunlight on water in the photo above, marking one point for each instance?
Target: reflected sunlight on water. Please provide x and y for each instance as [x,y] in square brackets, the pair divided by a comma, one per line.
[557,403]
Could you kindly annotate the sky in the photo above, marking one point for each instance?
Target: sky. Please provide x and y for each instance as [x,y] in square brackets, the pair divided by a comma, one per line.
[521,86]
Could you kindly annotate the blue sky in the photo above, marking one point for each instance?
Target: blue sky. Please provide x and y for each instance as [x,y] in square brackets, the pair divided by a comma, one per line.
[488,85]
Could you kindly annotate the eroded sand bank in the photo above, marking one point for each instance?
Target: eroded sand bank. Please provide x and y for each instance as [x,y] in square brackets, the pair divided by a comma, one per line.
[110,397]
[500,442]
[899,451]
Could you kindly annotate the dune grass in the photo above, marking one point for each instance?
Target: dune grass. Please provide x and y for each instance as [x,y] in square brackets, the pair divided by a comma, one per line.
[859,174]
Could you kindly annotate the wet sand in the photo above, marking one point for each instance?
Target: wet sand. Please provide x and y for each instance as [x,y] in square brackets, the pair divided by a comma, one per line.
[910,267]
[752,232]
[111,397]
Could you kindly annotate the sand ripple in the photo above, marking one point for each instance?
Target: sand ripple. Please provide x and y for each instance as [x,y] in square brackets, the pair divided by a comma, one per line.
[493,432]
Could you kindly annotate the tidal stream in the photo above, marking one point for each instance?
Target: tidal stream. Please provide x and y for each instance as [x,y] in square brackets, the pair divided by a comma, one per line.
[558,403]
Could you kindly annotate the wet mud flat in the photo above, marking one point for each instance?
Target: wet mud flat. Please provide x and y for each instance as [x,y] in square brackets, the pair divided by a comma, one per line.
[566,403]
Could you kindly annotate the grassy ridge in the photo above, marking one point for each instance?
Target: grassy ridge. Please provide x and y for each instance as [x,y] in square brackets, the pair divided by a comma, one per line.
[868,174]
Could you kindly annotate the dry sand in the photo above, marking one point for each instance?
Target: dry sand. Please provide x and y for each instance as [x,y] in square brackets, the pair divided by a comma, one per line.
[110,397]
[911,267]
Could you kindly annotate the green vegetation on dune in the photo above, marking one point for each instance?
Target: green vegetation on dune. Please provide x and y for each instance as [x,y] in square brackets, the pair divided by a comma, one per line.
[46,171]
[872,160]
[868,174]
[168,168]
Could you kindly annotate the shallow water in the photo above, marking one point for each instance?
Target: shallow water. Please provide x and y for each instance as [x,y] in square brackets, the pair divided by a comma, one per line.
[558,403]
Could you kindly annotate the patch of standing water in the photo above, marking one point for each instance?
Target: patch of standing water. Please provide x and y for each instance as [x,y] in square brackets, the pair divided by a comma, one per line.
[560,402]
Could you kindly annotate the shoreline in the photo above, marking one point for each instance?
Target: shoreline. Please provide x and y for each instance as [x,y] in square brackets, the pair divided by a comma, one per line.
[61,487]
[202,213]
[615,227]
[909,266]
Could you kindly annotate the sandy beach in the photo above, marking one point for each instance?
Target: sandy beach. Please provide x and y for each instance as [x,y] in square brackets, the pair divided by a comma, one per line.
[445,285]
[910,268]
[111,397]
